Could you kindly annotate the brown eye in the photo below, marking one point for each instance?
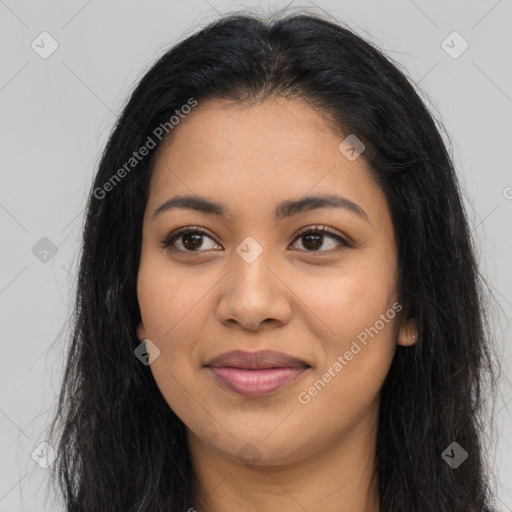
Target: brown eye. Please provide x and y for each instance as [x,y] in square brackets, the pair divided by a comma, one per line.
[314,238]
[191,240]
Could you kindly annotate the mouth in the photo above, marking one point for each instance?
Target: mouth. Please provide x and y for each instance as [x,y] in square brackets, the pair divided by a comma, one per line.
[255,374]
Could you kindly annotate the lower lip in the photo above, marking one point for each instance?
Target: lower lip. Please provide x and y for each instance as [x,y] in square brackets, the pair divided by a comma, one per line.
[254,383]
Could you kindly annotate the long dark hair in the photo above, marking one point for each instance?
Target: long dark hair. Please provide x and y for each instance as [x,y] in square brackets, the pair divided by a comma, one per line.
[119,445]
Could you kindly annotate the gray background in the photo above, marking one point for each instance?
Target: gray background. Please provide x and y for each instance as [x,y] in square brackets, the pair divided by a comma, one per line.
[56,114]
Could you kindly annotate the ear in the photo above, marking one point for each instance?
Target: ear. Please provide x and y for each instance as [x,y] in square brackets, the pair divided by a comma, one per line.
[141,332]
[408,333]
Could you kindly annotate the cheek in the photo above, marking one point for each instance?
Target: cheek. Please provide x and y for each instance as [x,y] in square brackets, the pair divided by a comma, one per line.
[355,359]
[356,331]
[343,303]
[171,302]
[173,308]
[171,311]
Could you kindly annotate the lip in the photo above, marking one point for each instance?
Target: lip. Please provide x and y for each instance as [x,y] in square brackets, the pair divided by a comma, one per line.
[262,359]
[254,374]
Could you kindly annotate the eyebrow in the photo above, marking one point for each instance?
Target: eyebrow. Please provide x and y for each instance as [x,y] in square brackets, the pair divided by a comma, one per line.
[284,209]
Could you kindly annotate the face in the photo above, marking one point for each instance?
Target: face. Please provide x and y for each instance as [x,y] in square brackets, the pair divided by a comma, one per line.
[251,281]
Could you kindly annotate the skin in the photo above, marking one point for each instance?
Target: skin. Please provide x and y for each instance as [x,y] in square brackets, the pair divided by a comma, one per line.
[309,304]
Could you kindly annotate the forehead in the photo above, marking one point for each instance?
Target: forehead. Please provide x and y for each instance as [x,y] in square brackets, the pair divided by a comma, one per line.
[249,155]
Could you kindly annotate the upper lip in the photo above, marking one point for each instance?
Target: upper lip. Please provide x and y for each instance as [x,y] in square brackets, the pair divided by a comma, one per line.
[256,360]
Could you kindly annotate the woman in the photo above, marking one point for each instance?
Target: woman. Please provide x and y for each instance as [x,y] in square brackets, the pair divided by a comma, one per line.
[278,304]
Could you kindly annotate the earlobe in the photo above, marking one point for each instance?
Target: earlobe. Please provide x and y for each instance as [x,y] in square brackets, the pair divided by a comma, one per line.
[141,332]
[408,334]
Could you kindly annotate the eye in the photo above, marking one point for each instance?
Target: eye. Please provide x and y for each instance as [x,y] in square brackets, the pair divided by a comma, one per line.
[190,238]
[315,237]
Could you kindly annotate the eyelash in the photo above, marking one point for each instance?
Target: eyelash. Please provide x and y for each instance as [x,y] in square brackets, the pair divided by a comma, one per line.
[169,241]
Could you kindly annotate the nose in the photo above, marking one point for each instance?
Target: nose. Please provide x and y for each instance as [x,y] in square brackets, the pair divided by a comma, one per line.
[254,294]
